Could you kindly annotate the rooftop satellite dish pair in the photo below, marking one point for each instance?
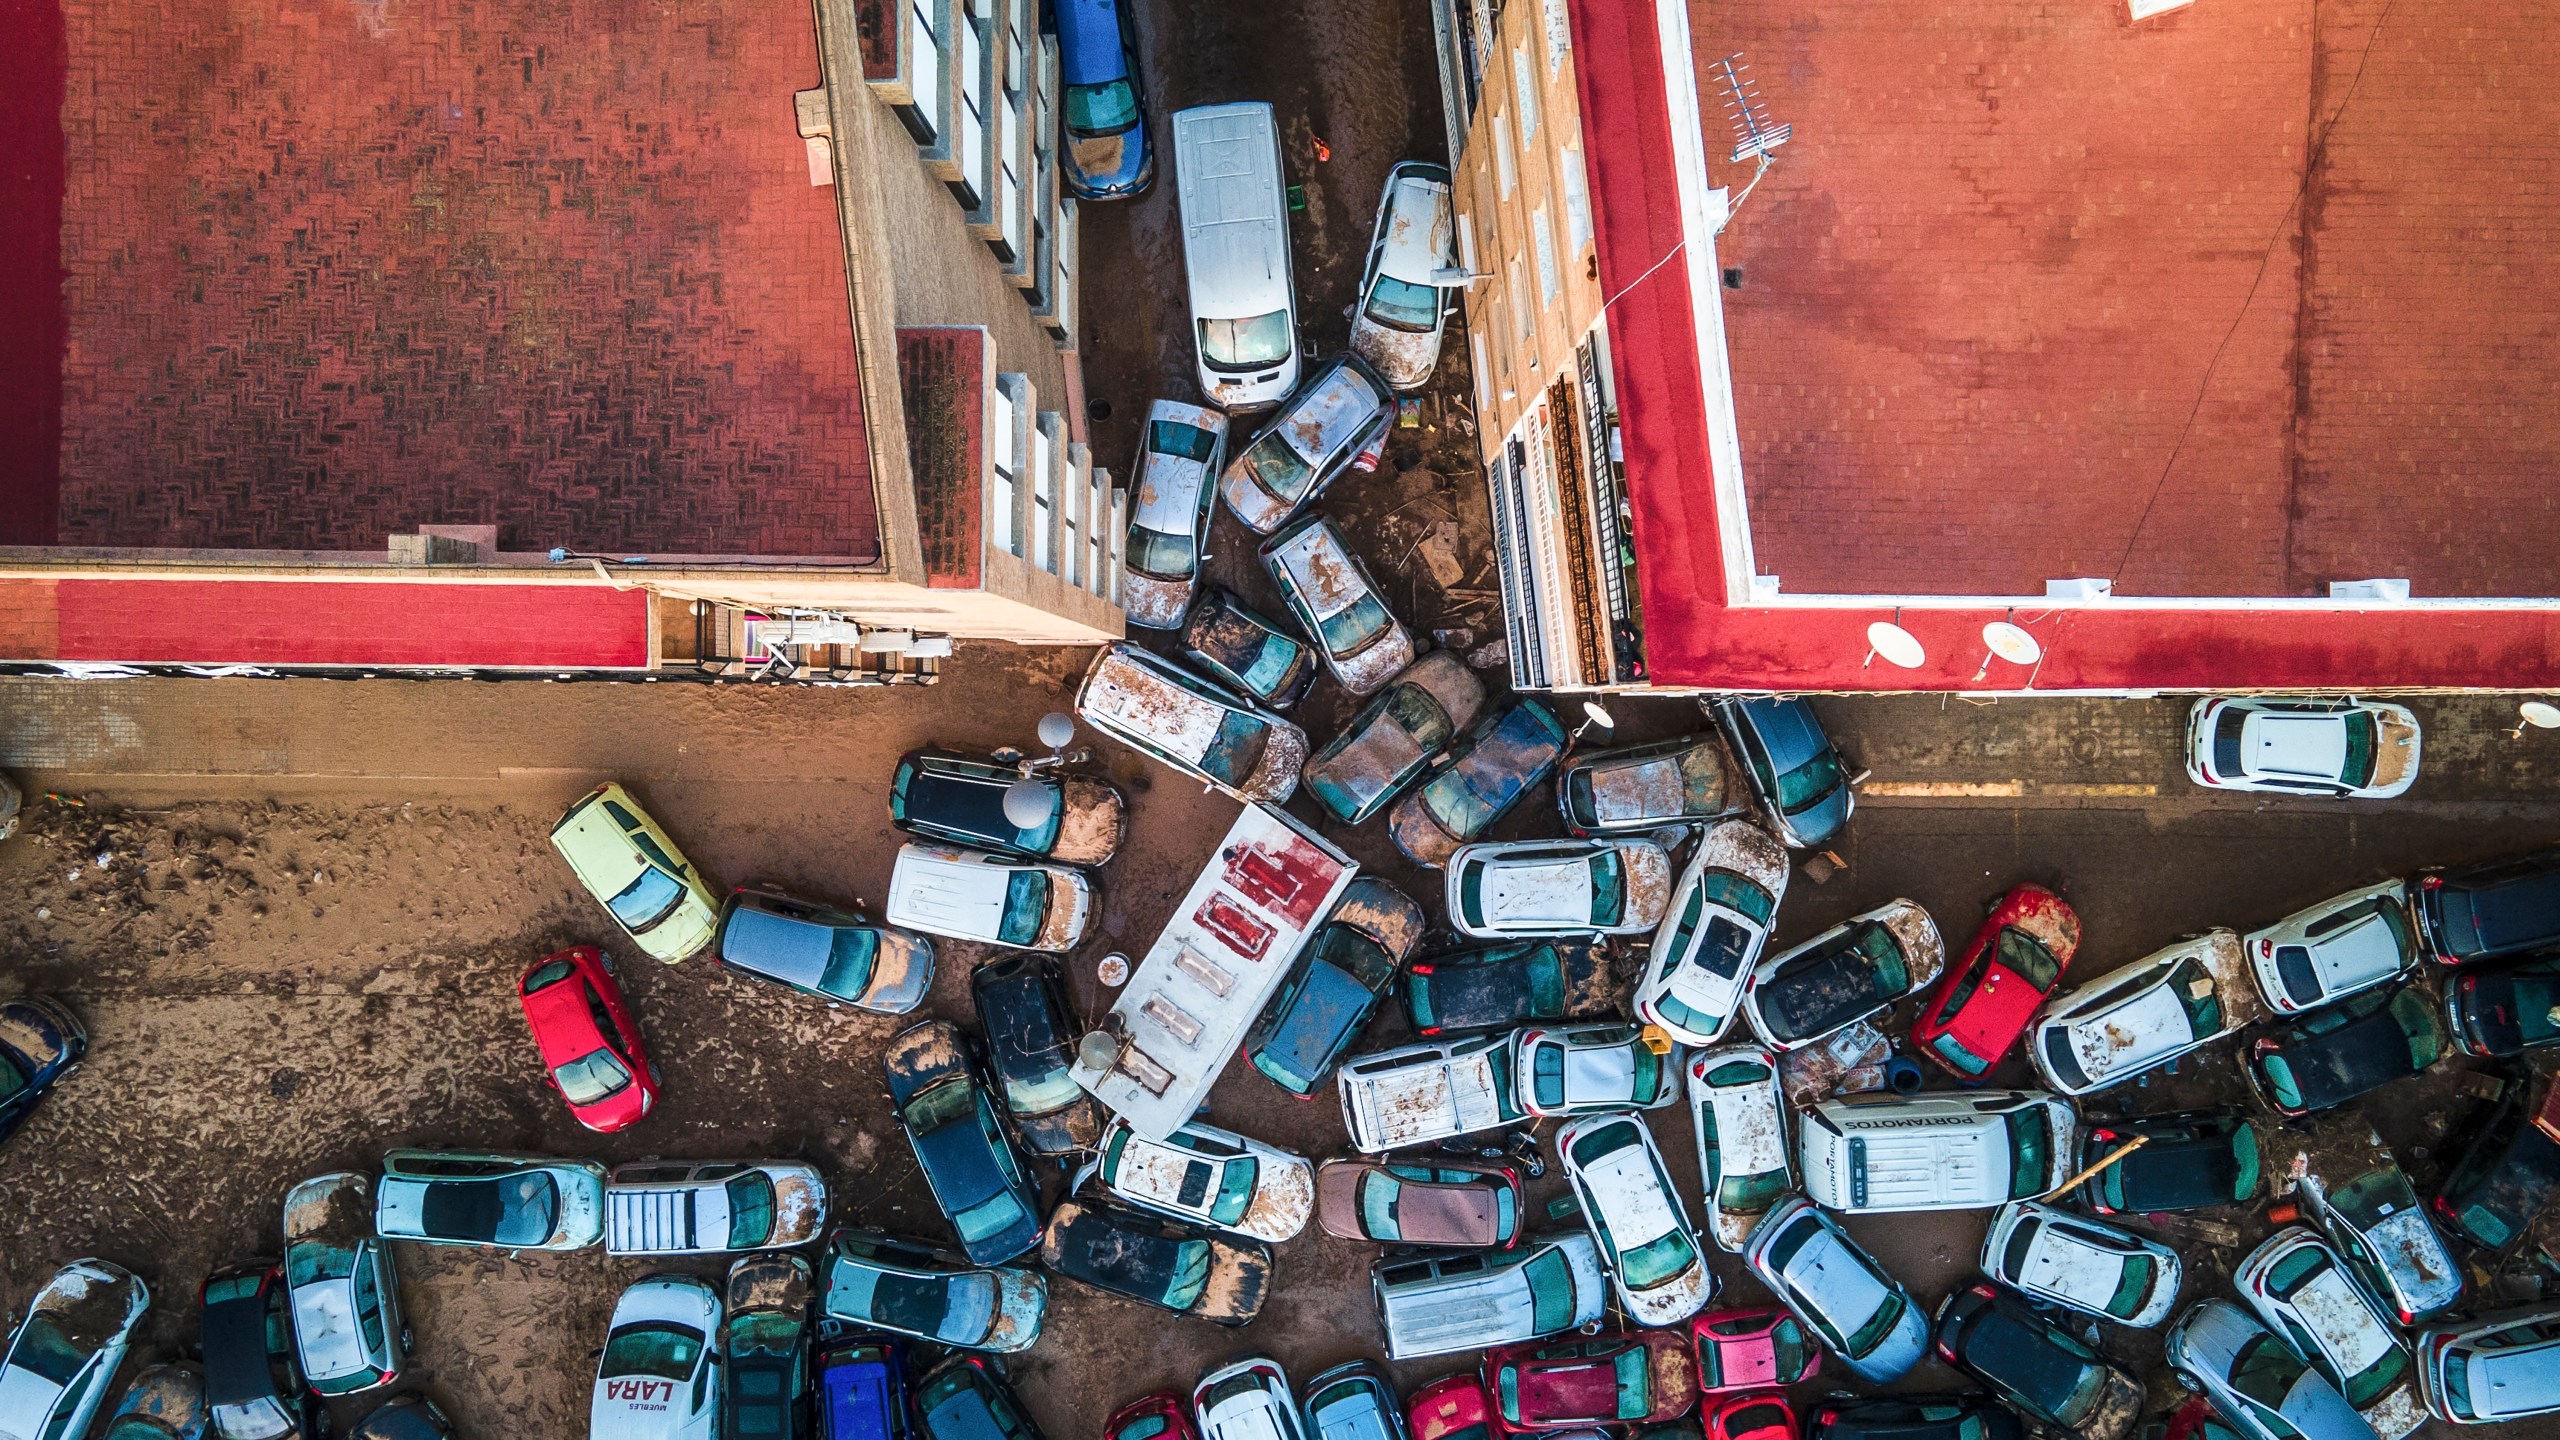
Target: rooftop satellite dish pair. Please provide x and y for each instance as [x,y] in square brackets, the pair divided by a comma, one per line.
[2007,641]
[1028,802]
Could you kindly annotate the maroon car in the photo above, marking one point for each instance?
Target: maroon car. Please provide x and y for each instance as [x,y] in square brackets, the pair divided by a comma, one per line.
[1475,1207]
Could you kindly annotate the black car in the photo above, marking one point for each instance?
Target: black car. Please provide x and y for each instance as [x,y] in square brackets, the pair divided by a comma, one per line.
[1030,1043]
[2504,1009]
[1791,765]
[252,1378]
[964,1399]
[2190,1160]
[1329,996]
[2491,910]
[960,801]
[1516,982]
[2341,1051]
[764,1342]
[940,1096]
[1158,1262]
[41,1041]
[818,950]
[1253,656]
[2505,1179]
[402,1417]
[1917,1417]
[2033,1364]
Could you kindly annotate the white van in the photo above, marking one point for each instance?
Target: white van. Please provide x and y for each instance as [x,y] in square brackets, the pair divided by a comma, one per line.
[1235,253]
[1417,1094]
[971,895]
[1444,1304]
[1936,1152]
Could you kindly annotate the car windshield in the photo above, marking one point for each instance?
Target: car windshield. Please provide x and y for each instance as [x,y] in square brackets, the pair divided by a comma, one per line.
[2265,1371]
[655,1347]
[1278,468]
[44,1349]
[1235,1190]
[1273,657]
[1104,109]
[1247,344]
[849,954]
[646,900]
[1165,557]
[1348,629]
[1173,437]
[1810,783]
[2357,767]
[1403,305]
[591,1077]
[2030,1152]
[1026,904]
[750,1209]
[1658,1260]
[761,1332]
[312,1261]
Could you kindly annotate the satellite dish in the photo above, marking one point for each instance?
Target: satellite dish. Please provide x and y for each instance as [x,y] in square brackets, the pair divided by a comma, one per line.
[2012,643]
[1097,1050]
[1896,645]
[1028,804]
[1056,730]
[2539,715]
[1599,717]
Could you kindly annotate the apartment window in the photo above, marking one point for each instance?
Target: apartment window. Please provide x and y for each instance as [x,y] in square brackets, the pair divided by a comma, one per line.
[1071,516]
[924,46]
[1524,88]
[1119,546]
[1004,474]
[1577,200]
[1544,235]
[1009,135]
[1467,244]
[1097,571]
[1559,35]
[1518,298]
[1503,166]
[1484,373]
[1044,484]
[976,31]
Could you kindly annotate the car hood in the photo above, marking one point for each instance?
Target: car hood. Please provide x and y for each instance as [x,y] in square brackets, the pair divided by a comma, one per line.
[1402,358]
[1156,604]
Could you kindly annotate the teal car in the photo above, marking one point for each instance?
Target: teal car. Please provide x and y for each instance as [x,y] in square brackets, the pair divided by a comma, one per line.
[1506,755]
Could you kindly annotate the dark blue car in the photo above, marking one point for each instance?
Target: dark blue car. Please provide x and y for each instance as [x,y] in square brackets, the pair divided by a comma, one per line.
[941,1096]
[1105,110]
[1323,1005]
[40,1042]
[1793,770]
[962,1399]
[862,1388]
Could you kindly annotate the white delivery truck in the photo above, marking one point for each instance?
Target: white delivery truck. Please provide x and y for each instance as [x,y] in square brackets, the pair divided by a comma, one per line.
[1230,943]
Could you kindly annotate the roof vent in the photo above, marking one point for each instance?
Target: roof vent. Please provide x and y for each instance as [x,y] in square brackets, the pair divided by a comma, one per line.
[2079,589]
[2368,589]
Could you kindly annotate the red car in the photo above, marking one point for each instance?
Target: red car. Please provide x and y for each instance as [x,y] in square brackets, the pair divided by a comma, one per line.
[1161,1416]
[1641,1378]
[1984,1001]
[1751,1350]
[591,1048]
[1750,1417]
[1454,1407]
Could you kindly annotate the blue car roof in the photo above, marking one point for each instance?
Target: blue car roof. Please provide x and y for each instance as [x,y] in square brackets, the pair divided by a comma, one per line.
[1089,42]
[855,1400]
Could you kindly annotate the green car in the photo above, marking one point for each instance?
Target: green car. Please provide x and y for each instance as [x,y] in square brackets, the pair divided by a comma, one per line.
[635,871]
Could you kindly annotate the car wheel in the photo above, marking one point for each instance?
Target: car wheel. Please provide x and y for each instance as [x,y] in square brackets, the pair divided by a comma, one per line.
[408,1339]
[656,1076]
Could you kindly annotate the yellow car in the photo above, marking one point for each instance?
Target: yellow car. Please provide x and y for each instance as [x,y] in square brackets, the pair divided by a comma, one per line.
[625,860]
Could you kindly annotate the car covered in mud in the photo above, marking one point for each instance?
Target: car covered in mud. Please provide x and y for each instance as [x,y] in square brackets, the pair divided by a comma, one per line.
[873,1280]
[2501,1010]
[1495,987]
[2187,1161]
[1423,1202]
[1751,1349]
[1557,887]
[402,1417]
[1795,774]
[2332,1055]
[1333,419]
[1396,323]
[507,1202]
[1985,1000]
[65,1351]
[1436,1090]
[2041,1370]
[2372,1214]
[1738,1112]
[1712,932]
[1031,1035]
[960,801]
[1642,788]
[2080,1264]
[972,895]
[1860,1313]
[592,1054]
[1633,1377]
[2170,1003]
[2302,1291]
[941,1097]
[1141,1257]
[1635,1215]
[659,1377]
[41,1042]
[631,865]
[707,1207]
[764,1345]
[1211,1177]
[166,1402]
[2506,1177]
[1248,652]
[1332,596]
[1499,760]
[343,1292]
[824,952]
[1164,711]
[1338,980]
[1179,449]
[2254,1378]
[1395,737]
[1586,1069]
[2354,749]
[2331,950]
[1842,975]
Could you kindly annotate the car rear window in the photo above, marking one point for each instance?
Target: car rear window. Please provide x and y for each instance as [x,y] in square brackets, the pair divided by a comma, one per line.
[1550,1278]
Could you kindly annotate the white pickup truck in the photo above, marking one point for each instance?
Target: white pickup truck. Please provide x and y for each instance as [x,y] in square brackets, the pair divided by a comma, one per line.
[1427,1092]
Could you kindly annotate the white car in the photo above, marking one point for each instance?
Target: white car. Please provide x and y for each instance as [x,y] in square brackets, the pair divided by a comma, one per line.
[1843,975]
[2500,1367]
[2356,749]
[1962,1150]
[1247,1399]
[510,1202]
[64,1354]
[660,1375]
[1331,594]
[2167,1004]
[1162,710]
[1583,1069]
[2301,1289]
[1712,932]
[345,1297]
[1740,1115]
[972,895]
[1209,1176]
[1418,1094]
[1636,1216]
[1413,252]
[2331,950]
[1500,889]
[2081,1264]
[1838,1292]
[2254,1379]
[707,1207]
[1182,446]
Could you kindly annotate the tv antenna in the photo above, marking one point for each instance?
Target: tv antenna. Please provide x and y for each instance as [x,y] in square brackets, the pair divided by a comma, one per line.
[1755,135]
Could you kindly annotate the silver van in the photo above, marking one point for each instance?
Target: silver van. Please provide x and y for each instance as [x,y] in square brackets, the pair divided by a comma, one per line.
[1444,1304]
[1418,1094]
[1235,253]
[1936,1152]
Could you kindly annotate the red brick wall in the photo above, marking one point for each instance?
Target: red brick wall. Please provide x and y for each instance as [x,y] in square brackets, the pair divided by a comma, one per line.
[943,374]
